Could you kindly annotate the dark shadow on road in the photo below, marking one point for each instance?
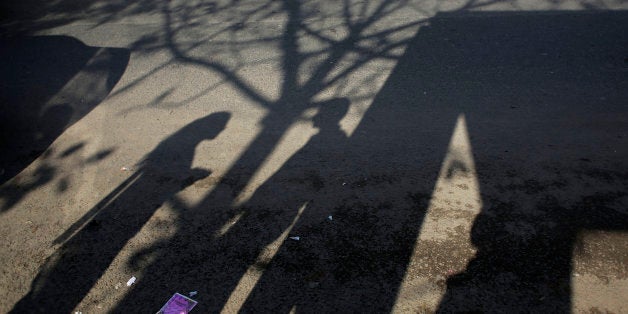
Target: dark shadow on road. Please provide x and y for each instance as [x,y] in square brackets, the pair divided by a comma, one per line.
[544,94]
[47,83]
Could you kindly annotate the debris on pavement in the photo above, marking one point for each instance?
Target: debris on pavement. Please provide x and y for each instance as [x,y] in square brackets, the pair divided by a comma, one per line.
[131,281]
[125,169]
[295,238]
[178,303]
[193,293]
[330,217]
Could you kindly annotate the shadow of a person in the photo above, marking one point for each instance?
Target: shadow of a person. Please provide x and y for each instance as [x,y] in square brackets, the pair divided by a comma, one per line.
[212,262]
[303,181]
[91,244]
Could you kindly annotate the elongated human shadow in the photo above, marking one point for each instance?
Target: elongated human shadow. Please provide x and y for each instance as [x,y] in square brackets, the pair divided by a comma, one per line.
[92,243]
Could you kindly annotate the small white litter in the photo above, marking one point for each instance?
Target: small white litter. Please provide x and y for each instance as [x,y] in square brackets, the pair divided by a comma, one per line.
[295,238]
[330,217]
[131,281]
[193,293]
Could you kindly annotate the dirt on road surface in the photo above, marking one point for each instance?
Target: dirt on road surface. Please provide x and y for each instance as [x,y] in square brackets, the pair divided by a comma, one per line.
[314,156]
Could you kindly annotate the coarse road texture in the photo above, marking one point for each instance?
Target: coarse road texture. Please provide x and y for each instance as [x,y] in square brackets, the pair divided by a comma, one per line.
[430,156]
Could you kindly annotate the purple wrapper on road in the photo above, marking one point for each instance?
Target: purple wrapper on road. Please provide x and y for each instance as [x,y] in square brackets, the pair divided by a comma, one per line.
[178,304]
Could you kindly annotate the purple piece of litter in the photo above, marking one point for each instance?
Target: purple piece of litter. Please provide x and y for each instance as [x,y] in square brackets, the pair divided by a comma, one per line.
[178,304]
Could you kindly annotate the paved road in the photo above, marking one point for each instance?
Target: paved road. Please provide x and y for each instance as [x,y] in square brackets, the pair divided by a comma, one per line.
[429,155]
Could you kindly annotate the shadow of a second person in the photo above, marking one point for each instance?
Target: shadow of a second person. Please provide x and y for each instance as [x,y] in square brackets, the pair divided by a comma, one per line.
[90,245]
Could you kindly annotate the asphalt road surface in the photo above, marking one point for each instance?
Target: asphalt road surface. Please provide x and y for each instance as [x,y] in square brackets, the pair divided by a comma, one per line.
[314,156]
